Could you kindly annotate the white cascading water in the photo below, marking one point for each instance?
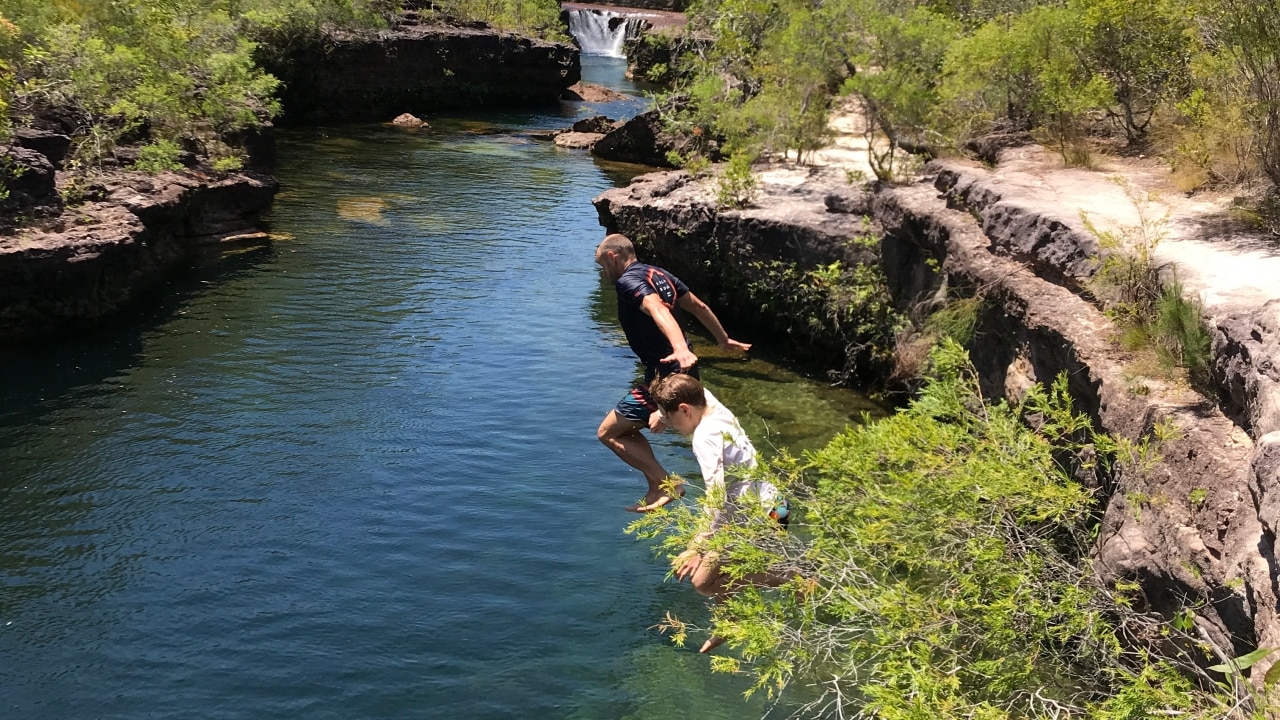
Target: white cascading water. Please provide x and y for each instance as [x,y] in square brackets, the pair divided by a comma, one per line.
[599,32]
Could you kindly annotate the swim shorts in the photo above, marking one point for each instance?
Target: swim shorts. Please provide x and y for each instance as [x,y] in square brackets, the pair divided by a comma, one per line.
[638,405]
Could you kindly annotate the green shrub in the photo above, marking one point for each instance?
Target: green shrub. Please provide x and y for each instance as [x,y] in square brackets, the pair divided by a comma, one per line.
[937,570]
[1180,332]
[736,185]
[228,163]
[158,156]
[844,311]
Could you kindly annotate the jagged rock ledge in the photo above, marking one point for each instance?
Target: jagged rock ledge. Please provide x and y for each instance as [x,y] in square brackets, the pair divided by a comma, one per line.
[99,257]
[419,69]
[1197,531]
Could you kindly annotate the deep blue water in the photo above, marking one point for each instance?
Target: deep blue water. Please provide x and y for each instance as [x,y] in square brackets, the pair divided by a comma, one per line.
[354,474]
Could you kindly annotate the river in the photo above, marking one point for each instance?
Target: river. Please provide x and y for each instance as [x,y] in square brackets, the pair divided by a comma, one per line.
[354,474]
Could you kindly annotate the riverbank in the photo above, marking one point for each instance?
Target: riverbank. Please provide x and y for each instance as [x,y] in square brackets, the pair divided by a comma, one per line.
[1196,531]
[85,245]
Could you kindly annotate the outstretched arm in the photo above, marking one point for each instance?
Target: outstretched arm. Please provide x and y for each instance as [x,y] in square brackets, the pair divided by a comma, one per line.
[695,307]
[653,306]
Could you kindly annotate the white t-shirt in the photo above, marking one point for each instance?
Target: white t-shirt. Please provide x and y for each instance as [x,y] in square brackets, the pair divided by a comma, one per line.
[720,445]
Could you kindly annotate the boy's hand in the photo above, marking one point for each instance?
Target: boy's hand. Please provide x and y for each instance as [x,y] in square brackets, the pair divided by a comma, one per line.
[657,423]
[687,564]
[731,344]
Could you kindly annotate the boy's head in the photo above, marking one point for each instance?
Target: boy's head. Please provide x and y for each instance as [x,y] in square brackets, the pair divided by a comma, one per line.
[682,400]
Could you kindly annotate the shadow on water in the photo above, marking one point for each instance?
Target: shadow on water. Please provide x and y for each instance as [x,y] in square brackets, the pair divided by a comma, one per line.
[48,375]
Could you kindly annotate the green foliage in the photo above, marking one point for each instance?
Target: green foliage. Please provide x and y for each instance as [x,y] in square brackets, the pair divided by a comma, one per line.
[164,71]
[936,570]
[1180,332]
[1197,81]
[10,56]
[1150,304]
[1249,34]
[229,163]
[736,185]
[766,80]
[1026,69]
[695,163]
[537,17]
[135,69]
[846,310]
[158,156]
[1142,48]
[902,54]
[958,320]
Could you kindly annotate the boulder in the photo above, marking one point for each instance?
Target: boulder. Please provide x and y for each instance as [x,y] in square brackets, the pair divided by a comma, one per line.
[598,124]
[1245,348]
[641,140]
[408,120]
[50,144]
[577,140]
[28,176]
[587,92]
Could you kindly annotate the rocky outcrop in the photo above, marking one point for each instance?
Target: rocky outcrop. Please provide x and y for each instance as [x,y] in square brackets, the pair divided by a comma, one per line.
[662,5]
[1196,529]
[88,265]
[54,146]
[577,140]
[643,140]
[1246,352]
[587,92]
[804,221]
[419,69]
[28,179]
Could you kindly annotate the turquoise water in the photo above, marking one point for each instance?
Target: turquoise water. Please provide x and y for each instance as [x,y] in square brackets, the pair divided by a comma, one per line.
[354,474]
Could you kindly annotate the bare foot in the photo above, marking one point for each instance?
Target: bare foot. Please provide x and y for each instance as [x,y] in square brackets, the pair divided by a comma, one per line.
[712,643]
[655,499]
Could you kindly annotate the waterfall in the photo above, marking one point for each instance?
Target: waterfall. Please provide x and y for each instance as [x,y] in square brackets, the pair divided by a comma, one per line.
[600,32]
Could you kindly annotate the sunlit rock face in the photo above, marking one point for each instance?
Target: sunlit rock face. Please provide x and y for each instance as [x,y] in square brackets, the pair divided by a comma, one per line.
[128,237]
[420,69]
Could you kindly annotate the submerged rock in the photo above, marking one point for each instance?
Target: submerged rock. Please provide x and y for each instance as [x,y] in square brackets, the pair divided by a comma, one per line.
[588,92]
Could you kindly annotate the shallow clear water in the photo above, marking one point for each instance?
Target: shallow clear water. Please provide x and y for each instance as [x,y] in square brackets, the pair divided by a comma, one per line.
[354,474]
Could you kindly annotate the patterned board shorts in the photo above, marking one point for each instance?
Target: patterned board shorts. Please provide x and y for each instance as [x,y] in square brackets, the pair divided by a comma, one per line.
[638,405]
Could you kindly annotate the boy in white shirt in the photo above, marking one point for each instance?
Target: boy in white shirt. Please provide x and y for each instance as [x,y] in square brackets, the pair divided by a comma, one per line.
[720,446]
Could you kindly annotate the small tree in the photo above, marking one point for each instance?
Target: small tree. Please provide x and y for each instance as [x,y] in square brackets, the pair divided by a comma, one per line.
[1249,33]
[899,57]
[1143,48]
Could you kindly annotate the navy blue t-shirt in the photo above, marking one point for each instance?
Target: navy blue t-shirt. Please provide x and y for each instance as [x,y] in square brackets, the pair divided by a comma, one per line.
[643,334]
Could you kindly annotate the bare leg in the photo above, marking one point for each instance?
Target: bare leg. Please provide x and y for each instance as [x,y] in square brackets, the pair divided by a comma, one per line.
[709,581]
[623,437]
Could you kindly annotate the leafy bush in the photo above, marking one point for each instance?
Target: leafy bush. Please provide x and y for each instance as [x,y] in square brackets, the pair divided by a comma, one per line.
[902,57]
[844,310]
[736,185]
[936,565]
[159,156]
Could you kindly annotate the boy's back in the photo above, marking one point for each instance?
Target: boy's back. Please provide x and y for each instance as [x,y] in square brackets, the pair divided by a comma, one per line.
[721,446]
